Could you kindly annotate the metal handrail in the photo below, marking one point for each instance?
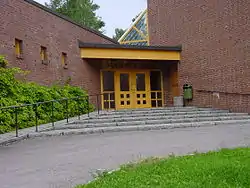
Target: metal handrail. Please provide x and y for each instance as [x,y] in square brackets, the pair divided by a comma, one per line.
[35,106]
[52,102]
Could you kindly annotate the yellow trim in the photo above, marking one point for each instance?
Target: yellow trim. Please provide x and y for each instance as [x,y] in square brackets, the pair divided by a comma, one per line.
[18,47]
[133,41]
[101,81]
[139,32]
[162,89]
[43,53]
[148,29]
[63,59]
[126,53]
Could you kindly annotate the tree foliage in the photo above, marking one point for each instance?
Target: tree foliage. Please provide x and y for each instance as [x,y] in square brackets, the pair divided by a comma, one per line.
[81,11]
[118,33]
[17,92]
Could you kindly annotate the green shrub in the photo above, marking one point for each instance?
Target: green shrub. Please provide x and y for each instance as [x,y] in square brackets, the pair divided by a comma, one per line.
[16,92]
[3,62]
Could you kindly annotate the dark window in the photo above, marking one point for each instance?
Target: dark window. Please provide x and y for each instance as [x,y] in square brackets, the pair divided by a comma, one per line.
[124,82]
[155,80]
[108,81]
[140,82]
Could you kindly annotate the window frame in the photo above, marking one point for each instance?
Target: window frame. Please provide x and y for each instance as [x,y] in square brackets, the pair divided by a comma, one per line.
[19,48]
[44,55]
[64,60]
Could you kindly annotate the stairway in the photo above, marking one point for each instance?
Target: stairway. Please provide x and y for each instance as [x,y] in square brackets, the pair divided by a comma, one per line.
[155,118]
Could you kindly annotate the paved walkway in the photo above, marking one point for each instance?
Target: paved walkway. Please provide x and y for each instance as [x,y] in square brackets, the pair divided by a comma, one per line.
[62,162]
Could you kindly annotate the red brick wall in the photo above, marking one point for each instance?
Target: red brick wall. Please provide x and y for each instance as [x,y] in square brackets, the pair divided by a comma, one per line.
[36,27]
[215,36]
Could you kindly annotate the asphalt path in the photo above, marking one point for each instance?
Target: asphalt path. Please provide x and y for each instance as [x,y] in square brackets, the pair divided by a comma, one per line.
[63,162]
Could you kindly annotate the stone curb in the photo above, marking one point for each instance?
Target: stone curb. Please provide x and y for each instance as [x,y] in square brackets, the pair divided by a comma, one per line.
[100,172]
[102,130]
[13,140]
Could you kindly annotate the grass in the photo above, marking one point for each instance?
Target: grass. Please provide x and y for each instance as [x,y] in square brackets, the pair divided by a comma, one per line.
[223,169]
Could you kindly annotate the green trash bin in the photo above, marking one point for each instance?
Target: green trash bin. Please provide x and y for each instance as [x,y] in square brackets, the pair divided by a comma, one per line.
[187,92]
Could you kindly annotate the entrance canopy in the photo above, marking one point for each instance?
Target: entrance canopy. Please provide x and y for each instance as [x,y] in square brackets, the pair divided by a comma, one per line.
[116,51]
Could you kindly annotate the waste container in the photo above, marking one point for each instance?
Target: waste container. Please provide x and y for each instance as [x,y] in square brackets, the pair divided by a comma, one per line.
[187,92]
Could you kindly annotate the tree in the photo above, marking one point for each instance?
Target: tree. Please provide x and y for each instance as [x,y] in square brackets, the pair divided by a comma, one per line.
[81,11]
[118,33]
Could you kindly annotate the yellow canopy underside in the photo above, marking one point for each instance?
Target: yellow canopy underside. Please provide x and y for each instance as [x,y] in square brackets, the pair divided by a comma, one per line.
[140,54]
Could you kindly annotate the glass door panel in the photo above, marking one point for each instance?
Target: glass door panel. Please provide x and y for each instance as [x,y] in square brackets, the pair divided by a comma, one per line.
[140,82]
[124,82]
[142,88]
[108,87]
[156,89]
[124,94]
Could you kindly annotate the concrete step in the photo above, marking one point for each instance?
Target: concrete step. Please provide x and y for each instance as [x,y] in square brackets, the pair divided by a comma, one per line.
[157,116]
[99,130]
[173,121]
[153,113]
[162,108]
[159,110]
[154,109]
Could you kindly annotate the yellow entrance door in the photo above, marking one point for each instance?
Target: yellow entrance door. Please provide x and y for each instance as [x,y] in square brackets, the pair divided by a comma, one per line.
[141,89]
[123,90]
[132,89]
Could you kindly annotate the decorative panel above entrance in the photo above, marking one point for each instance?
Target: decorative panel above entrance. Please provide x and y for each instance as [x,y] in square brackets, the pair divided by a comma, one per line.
[137,34]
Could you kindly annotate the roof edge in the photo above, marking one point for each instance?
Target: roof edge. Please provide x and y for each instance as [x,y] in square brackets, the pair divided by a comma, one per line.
[120,46]
[38,5]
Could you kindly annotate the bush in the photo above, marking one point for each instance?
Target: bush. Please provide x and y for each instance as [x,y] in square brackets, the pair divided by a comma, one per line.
[3,62]
[16,92]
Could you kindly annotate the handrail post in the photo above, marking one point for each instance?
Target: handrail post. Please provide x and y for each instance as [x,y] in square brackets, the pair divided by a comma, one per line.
[88,104]
[16,121]
[67,110]
[97,101]
[78,107]
[52,113]
[36,114]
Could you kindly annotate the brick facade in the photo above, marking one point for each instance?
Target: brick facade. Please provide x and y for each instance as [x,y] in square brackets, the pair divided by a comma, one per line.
[215,36]
[36,27]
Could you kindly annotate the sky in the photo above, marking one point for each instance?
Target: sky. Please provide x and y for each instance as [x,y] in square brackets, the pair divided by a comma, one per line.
[116,13]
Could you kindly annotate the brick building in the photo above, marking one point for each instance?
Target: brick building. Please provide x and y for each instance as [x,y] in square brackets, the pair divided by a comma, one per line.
[215,39]
[202,43]
[37,32]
